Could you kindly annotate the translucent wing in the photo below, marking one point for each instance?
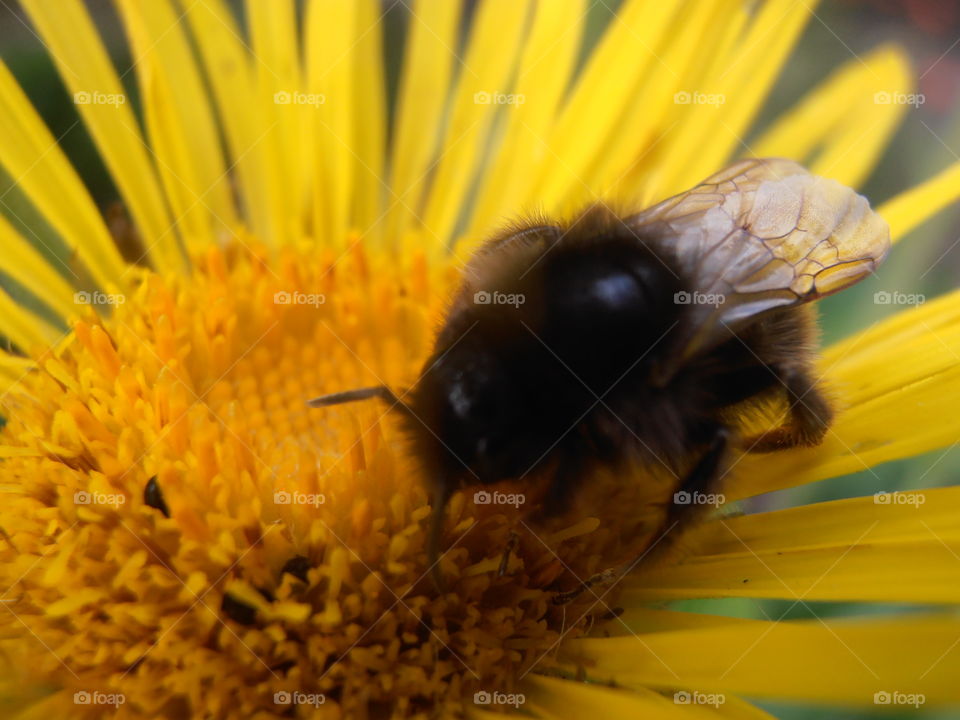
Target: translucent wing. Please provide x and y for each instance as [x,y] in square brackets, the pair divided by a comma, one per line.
[760,235]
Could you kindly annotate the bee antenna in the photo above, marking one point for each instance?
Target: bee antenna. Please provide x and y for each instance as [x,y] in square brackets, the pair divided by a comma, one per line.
[441,495]
[347,396]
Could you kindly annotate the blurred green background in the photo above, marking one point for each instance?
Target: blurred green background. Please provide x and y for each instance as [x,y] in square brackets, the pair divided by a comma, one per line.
[927,262]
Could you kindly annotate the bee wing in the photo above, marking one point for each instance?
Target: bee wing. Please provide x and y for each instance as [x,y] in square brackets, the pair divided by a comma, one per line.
[759,235]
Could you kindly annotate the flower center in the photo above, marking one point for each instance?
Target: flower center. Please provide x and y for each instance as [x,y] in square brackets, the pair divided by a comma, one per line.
[185,521]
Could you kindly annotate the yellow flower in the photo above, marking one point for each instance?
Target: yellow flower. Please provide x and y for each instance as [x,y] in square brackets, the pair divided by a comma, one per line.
[182,537]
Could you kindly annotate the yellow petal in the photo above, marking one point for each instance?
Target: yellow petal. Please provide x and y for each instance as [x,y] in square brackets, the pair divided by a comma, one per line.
[27,330]
[329,77]
[624,59]
[370,115]
[639,619]
[876,399]
[85,68]
[896,547]
[720,49]
[710,134]
[788,660]
[910,208]
[556,698]
[183,133]
[543,75]
[283,147]
[13,370]
[31,155]
[494,46]
[847,120]
[23,263]
[653,106]
[227,63]
[427,67]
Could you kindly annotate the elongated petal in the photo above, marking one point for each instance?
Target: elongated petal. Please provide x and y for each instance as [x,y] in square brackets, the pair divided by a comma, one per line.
[555,698]
[624,59]
[329,75]
[284,148]
[85,68]
[846,122]
[656,106]
[424,86]
[183,132]
[489,62]
[799,660]
[227,62]
[21,261]
[709,135]
[895,547]
[876,399]
[26,329]
[30,153]
[13,370]
[909,209]
[370,116]
[543,76]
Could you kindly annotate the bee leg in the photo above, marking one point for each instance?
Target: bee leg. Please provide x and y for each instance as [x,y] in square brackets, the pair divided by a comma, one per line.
[699,480]
[512,541]
[565,478]
[607,577]
[810,415]
[441,494]
[683,508]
